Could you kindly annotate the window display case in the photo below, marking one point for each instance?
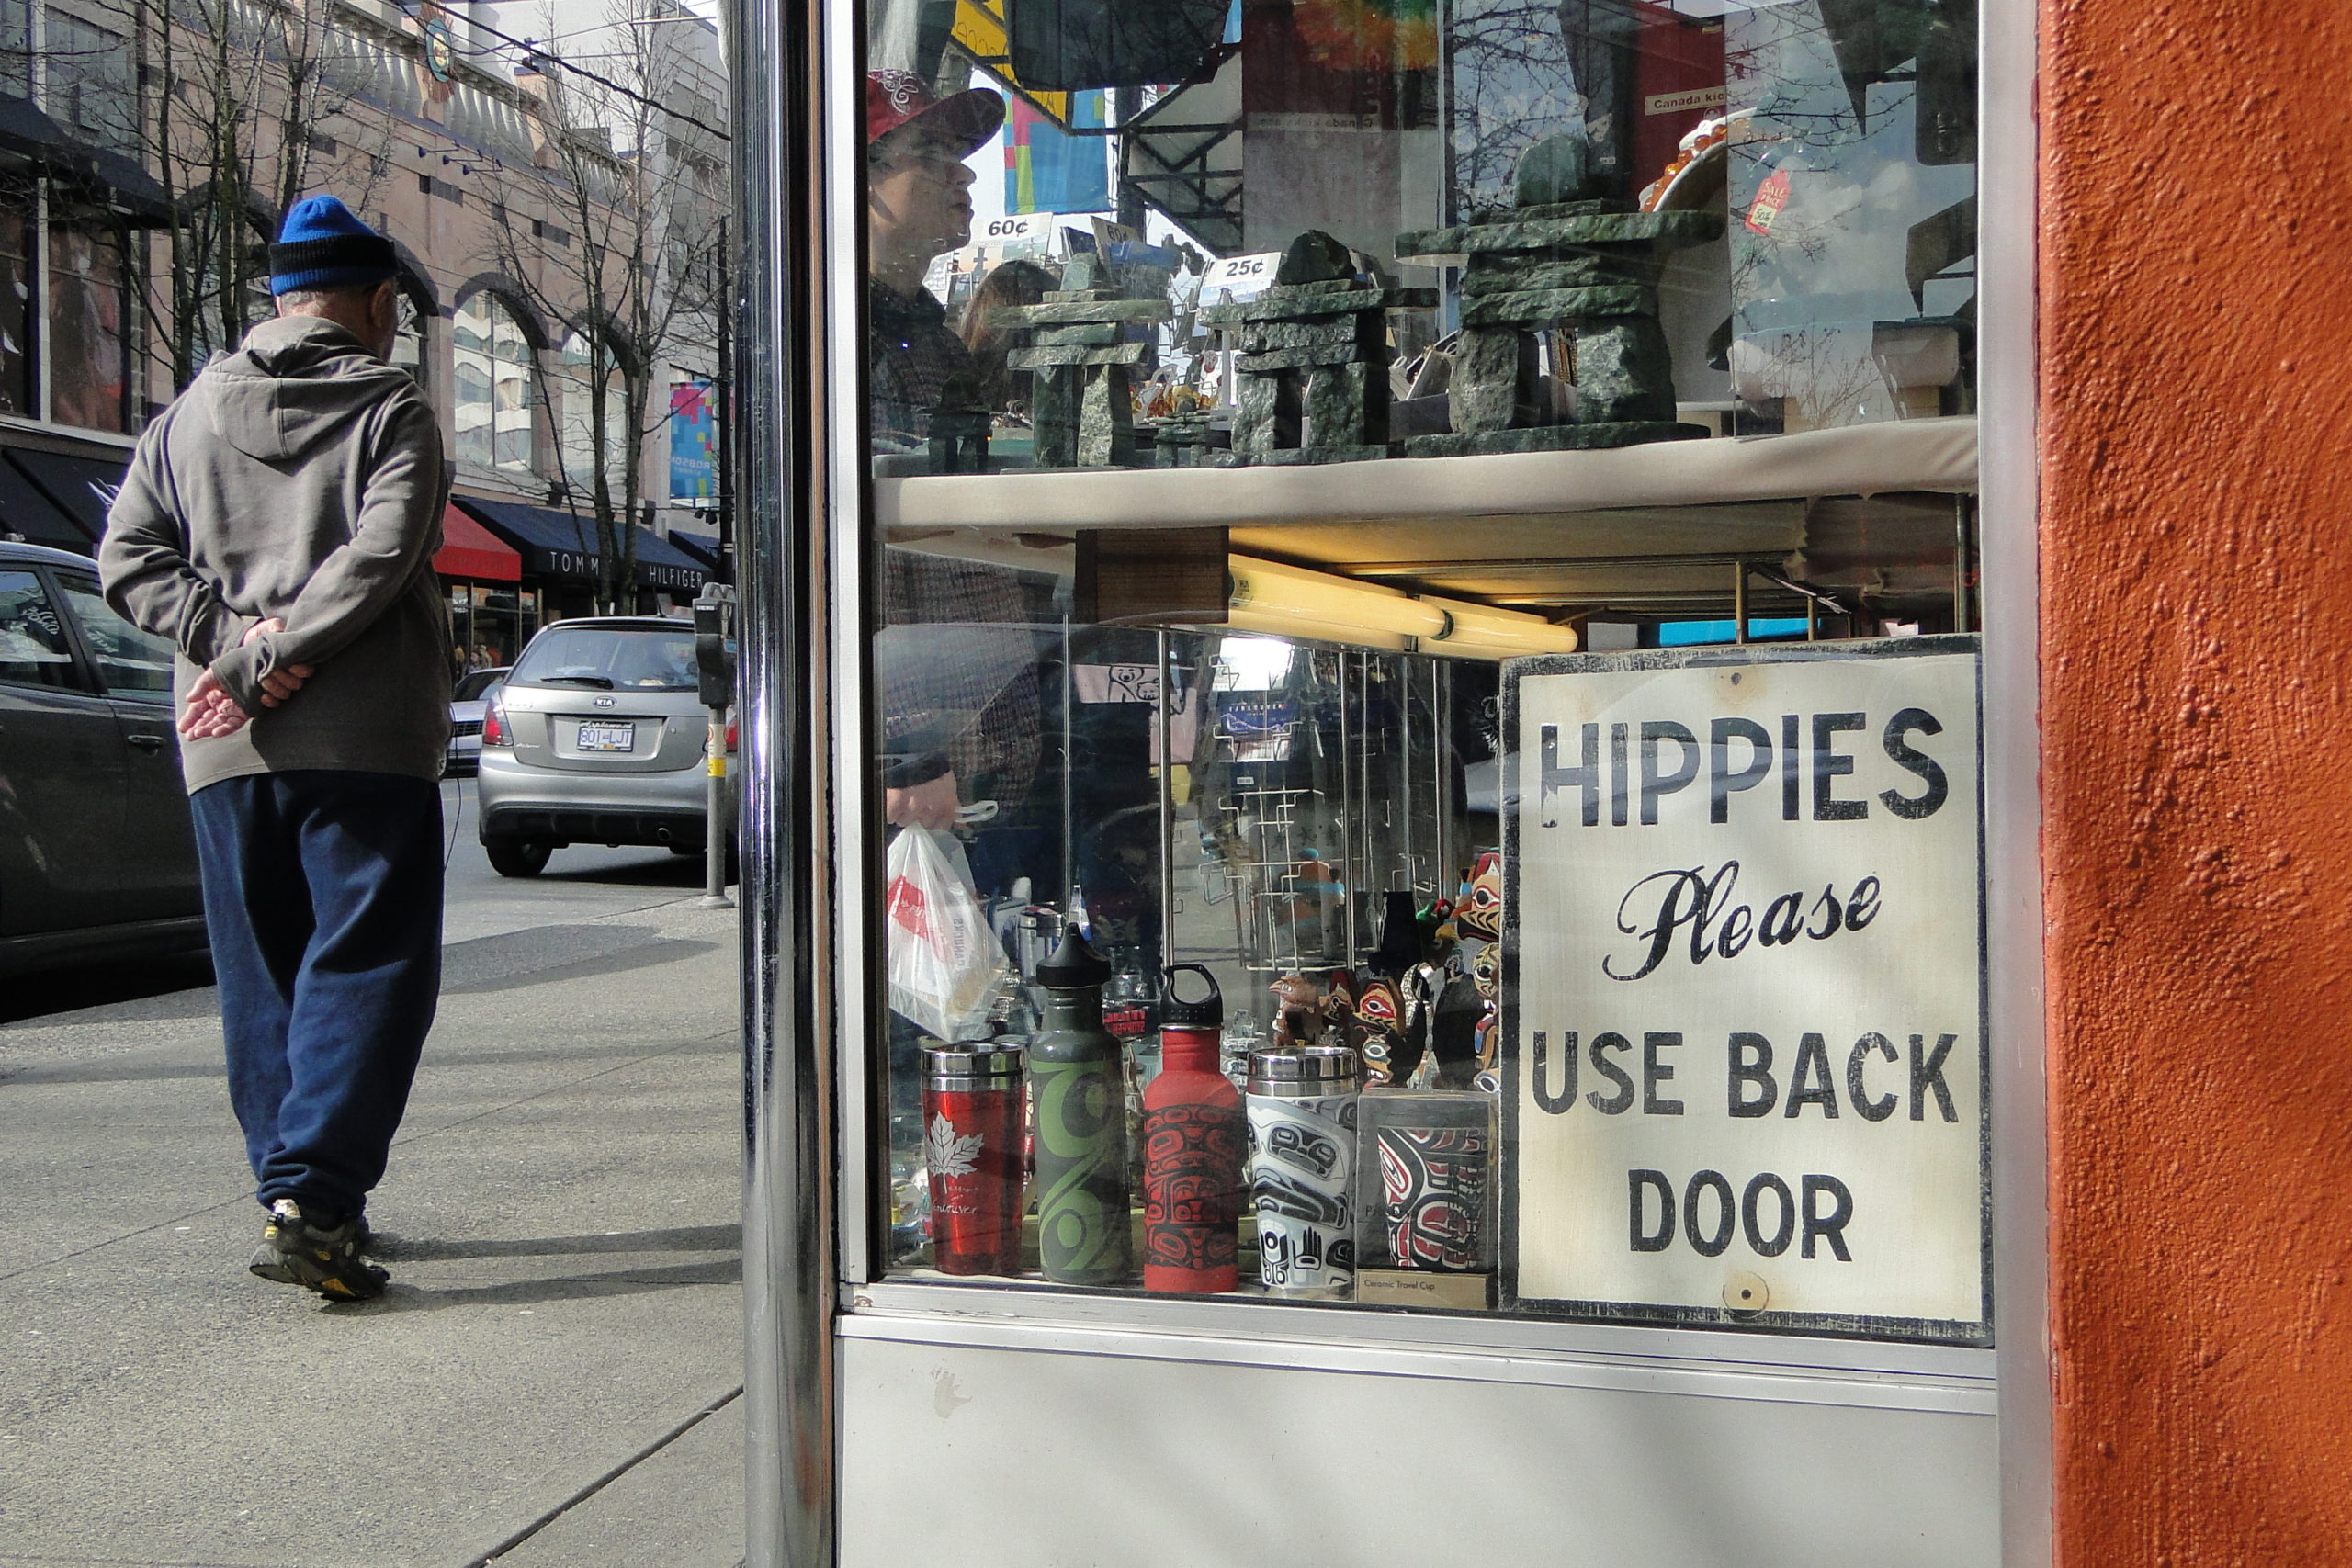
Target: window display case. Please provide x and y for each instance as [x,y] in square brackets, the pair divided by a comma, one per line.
[1406,787]
[1210,666]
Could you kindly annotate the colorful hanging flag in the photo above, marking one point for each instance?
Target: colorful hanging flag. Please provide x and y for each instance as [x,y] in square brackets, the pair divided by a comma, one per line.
[1047,169]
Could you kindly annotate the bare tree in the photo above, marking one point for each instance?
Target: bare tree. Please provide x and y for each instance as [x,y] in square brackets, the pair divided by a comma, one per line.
[639,196]
[238,111]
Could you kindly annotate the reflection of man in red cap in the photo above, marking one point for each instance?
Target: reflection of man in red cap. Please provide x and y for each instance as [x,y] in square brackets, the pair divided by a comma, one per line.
[917,206]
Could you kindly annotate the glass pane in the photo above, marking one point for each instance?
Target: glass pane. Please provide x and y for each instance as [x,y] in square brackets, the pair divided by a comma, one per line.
[92,83]
[17,231]
[132,663]
[89,316]
[1252,392]
[33,648]
[576,431]
[493,377]
[607,659]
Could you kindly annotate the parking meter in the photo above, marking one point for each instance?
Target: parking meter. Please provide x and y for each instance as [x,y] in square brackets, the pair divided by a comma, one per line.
[714,645]
[715,683]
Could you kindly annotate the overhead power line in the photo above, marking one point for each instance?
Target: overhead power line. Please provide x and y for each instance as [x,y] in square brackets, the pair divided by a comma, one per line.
[535,55]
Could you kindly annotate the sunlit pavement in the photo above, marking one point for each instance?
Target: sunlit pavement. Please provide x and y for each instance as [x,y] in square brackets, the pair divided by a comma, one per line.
[553,1376]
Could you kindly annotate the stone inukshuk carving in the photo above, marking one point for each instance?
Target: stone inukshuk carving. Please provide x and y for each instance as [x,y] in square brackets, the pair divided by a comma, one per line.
[1314,359]
[1561,260]
[959,427]
[1082,409]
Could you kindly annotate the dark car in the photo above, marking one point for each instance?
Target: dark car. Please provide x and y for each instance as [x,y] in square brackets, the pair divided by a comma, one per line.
[97,855]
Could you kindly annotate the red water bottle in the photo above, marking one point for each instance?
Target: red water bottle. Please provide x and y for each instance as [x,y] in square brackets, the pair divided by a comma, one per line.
[1194,1142]
[972,1142]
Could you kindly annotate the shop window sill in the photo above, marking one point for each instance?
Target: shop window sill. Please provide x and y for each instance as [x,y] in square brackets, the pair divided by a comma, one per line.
[1937,455]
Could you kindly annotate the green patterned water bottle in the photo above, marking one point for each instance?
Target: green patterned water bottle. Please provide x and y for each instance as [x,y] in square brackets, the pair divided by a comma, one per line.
[1081,1148]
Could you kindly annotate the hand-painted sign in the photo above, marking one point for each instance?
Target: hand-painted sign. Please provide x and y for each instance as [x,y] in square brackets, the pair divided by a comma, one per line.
[1742,988]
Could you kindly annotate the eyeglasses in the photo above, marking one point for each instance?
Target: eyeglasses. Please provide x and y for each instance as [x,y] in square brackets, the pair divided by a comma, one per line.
[923,153]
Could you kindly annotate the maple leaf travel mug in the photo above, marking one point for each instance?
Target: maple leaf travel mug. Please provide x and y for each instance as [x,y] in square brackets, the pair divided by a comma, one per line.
[972,1106]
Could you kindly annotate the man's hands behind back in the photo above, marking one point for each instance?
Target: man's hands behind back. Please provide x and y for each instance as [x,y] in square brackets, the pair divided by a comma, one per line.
[212,712]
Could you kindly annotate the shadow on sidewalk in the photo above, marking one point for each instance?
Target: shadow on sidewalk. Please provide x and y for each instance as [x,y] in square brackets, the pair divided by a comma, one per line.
[392,1248]
[400,1296]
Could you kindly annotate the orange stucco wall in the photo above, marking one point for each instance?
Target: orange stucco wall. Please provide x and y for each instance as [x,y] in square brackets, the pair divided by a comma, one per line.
[2197,556]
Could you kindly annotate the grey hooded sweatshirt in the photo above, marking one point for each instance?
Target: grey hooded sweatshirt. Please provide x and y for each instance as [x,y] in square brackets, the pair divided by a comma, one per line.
[300,478]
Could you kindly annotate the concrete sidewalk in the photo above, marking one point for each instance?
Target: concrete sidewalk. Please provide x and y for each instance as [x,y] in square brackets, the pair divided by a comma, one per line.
[553,1377]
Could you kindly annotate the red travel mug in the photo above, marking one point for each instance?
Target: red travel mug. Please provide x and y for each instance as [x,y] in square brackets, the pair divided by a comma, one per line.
[972,1103]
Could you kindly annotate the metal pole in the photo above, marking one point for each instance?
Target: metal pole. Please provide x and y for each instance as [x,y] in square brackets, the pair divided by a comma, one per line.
[780,54]
[1069,799]
[1963,551]
[716,828]
[1739,602]
[1167,808]
[1349,829]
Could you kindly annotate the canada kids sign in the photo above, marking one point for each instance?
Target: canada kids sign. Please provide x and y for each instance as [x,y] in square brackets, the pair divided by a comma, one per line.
[1742,988]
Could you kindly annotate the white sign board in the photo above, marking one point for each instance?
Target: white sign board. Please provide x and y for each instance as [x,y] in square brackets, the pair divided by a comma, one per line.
[1001,231]
[1742,988]
[1239,277]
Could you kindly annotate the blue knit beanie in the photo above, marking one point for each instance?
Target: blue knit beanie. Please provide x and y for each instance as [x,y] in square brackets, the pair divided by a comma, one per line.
[323,246]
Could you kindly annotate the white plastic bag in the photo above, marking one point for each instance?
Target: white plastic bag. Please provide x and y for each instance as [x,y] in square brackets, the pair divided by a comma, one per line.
[944,960]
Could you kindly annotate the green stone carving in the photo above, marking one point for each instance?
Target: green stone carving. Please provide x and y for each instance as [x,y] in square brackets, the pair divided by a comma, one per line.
[1552,438]
[959,428]
[1557,169]
[1053,358]
[1562,264]
[1314,257]
[1575,267]
[1624,371]
[1313,359]
[1057,337]
[1082,405]
[1559,305]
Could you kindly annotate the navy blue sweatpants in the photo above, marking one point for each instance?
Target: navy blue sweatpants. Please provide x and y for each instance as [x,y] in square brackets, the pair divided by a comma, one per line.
[322,894]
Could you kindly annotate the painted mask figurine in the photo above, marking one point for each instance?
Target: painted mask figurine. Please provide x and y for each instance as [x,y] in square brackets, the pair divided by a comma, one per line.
[1298,1012]
[1339,1004]
[1379,1030]
[1481,918]
[1487,973]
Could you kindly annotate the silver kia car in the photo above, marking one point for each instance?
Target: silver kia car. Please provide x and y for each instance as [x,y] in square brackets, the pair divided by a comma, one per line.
[596,738]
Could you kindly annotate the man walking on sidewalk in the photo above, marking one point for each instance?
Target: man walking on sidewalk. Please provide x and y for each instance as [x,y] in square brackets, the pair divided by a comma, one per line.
[278,523]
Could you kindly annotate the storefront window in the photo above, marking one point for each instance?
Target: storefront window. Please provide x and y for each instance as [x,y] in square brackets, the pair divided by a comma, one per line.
[496,378]
[16,304]
[17,48]
[491,622]
[90,328]
[1275,570]
[93,84]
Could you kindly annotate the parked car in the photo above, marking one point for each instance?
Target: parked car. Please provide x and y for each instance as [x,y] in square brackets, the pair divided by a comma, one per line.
[467,705]
[97,853]
[594,738]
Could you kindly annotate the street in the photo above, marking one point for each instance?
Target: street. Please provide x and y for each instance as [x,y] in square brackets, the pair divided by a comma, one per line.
[579,883]
[552,1376]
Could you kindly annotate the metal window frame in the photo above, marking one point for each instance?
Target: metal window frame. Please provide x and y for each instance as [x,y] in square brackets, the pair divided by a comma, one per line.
[809,852]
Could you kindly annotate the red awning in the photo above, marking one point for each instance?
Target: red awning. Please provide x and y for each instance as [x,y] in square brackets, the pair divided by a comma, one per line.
[468,549]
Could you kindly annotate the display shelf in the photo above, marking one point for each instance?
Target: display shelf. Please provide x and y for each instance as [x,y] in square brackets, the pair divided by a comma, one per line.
[1937,455]
[1864,507]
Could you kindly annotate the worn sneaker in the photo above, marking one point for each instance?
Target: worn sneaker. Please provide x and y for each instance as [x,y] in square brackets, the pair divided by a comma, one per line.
[295,1251]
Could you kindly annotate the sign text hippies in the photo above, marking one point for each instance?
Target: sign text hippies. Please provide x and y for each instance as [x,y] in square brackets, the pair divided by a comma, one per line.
[1743,978]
